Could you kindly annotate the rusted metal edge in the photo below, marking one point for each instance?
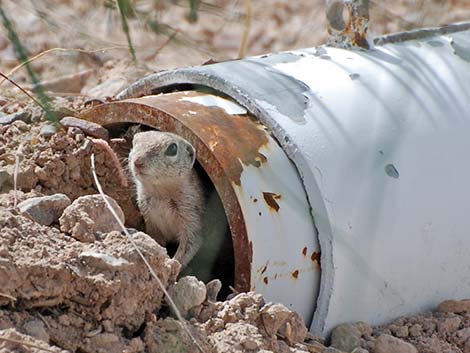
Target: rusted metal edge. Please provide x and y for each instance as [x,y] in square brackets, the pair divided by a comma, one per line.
[161,112]
[421,33]
[350,32]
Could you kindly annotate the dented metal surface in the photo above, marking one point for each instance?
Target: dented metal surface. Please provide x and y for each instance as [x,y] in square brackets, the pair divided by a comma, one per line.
[268,211]
[380,140]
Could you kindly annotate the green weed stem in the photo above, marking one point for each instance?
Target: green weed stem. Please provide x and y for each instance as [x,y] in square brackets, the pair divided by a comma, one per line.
[44,100]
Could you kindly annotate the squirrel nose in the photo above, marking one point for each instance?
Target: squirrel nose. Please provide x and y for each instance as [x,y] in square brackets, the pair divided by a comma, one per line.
[139,163]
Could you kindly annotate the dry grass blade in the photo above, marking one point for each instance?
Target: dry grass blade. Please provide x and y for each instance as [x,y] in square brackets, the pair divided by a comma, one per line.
[170,301]
[27,344]
[246,31]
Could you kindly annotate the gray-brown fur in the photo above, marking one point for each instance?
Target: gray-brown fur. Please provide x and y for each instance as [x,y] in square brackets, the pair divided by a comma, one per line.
[170,194]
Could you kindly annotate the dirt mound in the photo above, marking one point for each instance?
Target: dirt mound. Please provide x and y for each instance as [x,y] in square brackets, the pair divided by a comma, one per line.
[99,297]
[78,295]
[59,162]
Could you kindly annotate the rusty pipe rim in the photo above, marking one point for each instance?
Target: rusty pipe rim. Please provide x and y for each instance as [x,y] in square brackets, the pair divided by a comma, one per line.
[162,113]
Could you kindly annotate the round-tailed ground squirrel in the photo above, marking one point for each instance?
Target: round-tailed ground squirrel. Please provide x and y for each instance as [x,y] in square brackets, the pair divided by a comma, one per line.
[170,194]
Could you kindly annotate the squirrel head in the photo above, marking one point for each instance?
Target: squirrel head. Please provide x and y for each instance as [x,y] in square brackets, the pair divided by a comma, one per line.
[158,157]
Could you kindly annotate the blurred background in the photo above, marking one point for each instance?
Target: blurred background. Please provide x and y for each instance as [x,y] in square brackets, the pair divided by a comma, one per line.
[174,33]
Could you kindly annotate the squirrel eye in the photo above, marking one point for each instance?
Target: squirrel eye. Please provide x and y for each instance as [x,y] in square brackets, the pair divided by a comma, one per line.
[171,150]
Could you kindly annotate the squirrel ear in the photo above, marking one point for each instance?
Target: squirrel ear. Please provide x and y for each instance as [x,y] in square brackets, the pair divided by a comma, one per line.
[191,152]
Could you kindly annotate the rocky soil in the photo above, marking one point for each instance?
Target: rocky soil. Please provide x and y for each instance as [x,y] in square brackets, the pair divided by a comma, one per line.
[70,280]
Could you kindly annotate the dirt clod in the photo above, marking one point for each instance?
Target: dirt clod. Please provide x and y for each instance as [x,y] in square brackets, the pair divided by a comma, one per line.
[88,215]
[454,306]
[346,337]
[390,344]
[188,293]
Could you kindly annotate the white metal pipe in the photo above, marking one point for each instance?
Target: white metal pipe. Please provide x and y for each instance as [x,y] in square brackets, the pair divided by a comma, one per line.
[380,139]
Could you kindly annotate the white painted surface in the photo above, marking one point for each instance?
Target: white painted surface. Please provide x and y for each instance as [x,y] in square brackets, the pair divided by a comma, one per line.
[282,240]
[395,242]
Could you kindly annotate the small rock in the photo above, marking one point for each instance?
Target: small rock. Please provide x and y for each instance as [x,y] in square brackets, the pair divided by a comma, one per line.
[415,330]
[454,306]
[136,345]
[346,337]
[249,344]
[390,344]
[108,326]
[294,330]
[48,130]
[188,293]
[463,335]
[103,261]
[106,342]
[208,310]
[399,331]
[24,115]
[273,317]
[27,178]
[44,210]
[21,125]
[36,329]
[315,347]
[88,127]
[245,300]
[88,215]
[449,324]
[213,288]
[429,326]
[364,328]
[6,181]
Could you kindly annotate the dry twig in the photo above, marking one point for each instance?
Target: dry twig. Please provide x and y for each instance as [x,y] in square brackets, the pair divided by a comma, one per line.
[8,296]
[5,77]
